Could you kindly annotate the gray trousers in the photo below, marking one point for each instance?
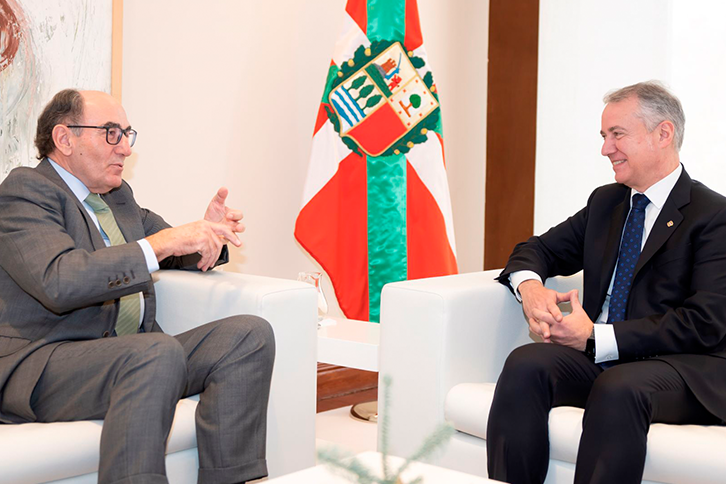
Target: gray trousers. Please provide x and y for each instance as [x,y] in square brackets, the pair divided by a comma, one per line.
[134,382]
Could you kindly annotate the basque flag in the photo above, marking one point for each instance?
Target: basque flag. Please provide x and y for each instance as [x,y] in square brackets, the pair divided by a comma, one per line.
[376,205]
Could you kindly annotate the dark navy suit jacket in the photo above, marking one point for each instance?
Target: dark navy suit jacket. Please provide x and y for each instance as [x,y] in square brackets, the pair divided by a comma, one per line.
[676,310]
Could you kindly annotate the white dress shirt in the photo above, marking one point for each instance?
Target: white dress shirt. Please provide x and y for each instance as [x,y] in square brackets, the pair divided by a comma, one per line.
[81,192]
[606,345]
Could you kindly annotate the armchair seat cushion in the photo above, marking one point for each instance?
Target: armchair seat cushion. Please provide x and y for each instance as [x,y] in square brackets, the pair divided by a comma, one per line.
[676,453]
[42,452]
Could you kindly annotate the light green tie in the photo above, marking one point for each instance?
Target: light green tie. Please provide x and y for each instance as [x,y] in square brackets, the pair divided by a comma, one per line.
[129,306]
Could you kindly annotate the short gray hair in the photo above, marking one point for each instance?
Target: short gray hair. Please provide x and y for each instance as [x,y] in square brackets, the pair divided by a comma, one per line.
[657,104]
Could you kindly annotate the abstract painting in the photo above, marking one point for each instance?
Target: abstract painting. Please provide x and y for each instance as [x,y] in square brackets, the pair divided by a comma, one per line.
[46,46]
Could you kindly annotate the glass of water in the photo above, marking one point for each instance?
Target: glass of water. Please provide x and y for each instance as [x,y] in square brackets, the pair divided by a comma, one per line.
[315,279]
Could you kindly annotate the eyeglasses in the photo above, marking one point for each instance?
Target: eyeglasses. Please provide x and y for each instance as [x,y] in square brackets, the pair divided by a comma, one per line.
[113,133]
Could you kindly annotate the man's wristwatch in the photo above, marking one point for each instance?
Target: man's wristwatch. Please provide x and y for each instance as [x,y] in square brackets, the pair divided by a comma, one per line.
[590,345]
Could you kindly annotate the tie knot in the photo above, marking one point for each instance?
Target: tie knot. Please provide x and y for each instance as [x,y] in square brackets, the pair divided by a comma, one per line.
[96,203]
[640,201]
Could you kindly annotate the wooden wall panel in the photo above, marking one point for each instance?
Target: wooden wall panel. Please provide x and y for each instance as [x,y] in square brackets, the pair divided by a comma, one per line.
[511,127]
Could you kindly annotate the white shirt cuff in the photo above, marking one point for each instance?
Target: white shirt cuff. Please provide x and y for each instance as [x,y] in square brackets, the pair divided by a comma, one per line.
[606,346]
[151,263]
[517,278]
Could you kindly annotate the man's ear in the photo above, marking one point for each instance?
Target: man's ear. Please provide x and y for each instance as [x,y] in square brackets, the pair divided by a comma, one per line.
[62,139]
[666,134]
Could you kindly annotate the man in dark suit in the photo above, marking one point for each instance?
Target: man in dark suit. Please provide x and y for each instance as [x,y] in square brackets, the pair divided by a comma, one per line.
[653,250]
[78,339]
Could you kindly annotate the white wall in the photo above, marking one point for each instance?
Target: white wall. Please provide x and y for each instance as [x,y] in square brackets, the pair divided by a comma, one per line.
[698,76]
[456,36]
[589,48]
[228,94]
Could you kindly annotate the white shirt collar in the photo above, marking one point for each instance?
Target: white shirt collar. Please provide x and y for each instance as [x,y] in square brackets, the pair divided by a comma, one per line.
[77,187]
[659,191]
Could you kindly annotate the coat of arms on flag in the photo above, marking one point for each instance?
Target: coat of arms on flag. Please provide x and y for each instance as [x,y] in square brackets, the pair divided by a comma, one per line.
[382,101]
[376,206]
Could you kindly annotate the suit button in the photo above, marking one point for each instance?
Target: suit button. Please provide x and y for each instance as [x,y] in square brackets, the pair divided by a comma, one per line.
[106,334]
[111,284]
[127,280]
[118,282]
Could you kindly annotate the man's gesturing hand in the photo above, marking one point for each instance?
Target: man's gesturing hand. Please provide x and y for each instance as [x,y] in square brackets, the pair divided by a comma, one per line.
[540,307]
[202,237]
[219,212]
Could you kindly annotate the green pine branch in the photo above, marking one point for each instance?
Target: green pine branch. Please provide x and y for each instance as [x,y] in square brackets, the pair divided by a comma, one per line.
[348,466]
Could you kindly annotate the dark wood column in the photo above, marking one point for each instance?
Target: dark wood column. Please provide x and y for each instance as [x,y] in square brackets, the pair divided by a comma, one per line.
[511,127]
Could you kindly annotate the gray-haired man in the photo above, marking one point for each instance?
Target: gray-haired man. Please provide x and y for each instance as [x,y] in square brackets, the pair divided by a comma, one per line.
[648,342]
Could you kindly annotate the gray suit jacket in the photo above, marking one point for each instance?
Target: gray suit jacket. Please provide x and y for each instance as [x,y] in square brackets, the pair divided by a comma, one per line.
[58,280]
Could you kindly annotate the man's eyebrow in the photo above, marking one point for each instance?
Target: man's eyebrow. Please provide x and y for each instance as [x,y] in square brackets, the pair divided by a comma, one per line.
[111,124]
[611,129]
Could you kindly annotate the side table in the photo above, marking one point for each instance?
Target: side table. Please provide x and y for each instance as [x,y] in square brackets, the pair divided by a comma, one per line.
[353,344]
[350,343]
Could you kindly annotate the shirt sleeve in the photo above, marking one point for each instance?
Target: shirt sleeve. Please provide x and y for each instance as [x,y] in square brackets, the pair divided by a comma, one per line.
[606,346]
[151,263]
[517,278]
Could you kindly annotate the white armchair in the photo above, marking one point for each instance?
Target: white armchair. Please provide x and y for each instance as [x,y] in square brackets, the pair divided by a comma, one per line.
[444,342]
[68,452]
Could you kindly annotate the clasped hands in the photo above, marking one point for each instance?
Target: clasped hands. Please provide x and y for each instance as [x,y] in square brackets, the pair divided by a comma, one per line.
[206,237]
[546,320]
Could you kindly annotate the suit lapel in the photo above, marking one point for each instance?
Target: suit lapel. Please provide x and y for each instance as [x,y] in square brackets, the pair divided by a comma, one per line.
[45,169]
[668,220]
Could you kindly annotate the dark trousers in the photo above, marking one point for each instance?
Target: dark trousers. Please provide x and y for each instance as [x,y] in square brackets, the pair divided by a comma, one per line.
[134,382]
[620,403]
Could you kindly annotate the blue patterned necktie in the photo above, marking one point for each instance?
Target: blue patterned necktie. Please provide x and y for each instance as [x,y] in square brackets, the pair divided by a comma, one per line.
[628,258]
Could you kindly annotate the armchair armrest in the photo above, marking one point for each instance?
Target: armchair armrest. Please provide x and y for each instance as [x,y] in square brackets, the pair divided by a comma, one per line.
[439,332]
[189,299]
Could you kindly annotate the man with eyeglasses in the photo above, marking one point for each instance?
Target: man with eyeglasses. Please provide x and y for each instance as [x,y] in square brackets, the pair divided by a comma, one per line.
[78,339]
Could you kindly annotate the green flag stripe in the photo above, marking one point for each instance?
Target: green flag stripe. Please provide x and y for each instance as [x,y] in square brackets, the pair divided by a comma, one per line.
[332,74]
[386,20]
[387,244]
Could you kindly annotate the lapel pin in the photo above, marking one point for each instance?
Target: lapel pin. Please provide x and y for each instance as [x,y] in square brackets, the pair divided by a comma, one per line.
[670,223]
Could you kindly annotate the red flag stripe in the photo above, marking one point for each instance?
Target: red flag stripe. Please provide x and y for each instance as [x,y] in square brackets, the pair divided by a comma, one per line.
[358,11]
[443,155]
[413,39]
[333,228]
[429,251]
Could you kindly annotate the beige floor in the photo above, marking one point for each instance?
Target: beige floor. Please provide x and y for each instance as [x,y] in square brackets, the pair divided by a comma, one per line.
[338,428]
